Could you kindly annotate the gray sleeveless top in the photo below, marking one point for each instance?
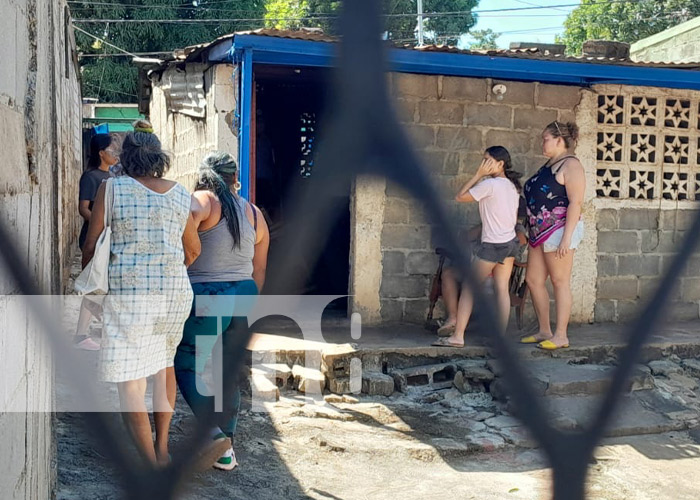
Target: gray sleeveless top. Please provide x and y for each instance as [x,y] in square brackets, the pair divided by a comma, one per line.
[220,260]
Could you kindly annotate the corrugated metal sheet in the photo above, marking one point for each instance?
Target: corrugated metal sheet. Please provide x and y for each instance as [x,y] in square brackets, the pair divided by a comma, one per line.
[194,52]
[184,90]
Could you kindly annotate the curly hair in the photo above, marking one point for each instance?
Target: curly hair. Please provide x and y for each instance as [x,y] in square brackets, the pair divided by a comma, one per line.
[143,156]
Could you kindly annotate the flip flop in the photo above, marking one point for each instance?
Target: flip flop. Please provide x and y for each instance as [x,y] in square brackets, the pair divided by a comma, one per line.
[443,342]
[548,345]
[446,330]
[530,339]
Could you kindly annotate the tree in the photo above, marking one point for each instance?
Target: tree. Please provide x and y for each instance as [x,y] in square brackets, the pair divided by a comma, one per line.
[113,78]
[400,21]
[483,39]
[623,21]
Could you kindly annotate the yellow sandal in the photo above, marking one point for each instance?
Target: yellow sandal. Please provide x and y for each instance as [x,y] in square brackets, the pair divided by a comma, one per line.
[548,345]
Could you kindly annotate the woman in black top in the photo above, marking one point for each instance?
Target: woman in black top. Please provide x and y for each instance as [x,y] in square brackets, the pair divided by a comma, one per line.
[554,197]
[102,156]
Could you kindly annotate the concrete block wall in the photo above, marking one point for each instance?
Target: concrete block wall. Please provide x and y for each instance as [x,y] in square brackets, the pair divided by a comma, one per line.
[40,123]
[451,120]
[635,246]
[189,139]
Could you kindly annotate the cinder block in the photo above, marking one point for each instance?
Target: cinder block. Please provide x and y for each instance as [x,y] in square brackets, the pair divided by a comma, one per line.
[604,311]
[515,142]
[393,263]
[612,242]
[377,384]
[403,286]
[439,113]
[558,96]
[459,88]
[458,139]
[617,288]
[607,265]
[536,119]
[633,218]
[517,92]
[607,219]
[638,265]
[408,237]
[488,115]
[421,263]
[415,85]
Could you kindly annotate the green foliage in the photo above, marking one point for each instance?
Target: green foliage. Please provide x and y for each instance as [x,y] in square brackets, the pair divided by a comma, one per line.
[400,23]
[113,79]
[483,39]
[624,21]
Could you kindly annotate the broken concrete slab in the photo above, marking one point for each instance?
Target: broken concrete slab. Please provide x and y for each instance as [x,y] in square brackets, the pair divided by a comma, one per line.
[345,385]
[263,391]
[308,380]
[377,384]
[475,370]
[692,365]
[684,381]
[518,436]
[502,422]
[664,367]
[280,373]
[643,412]
[557,377]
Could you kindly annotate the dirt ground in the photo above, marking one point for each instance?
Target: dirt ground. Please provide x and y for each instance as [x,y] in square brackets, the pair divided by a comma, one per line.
[387,448]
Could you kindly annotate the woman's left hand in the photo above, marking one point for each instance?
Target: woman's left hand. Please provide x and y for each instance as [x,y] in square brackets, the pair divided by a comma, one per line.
[564,248]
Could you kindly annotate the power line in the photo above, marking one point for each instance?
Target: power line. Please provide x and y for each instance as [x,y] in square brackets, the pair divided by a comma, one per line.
[105,41]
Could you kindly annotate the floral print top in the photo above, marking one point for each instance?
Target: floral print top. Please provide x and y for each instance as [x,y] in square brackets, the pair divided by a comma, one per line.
[547,203]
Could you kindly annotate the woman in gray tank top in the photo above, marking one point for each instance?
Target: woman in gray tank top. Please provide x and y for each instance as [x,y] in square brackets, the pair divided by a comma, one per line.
[235,240]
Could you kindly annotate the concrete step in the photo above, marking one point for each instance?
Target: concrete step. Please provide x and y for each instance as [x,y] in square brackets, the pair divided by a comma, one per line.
[642,412]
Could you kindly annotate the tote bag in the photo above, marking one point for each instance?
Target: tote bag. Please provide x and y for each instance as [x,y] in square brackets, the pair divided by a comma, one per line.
[94,279]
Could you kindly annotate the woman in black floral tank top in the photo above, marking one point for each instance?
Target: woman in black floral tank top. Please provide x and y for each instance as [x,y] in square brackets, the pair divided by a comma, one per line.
[554,197]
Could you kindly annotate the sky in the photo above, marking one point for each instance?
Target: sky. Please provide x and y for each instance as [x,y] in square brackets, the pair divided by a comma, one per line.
[537,25]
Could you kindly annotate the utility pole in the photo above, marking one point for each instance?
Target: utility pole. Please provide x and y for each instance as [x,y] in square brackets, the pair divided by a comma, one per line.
[420,21]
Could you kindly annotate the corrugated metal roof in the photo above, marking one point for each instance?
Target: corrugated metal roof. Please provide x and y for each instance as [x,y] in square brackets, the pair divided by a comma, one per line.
[316,35]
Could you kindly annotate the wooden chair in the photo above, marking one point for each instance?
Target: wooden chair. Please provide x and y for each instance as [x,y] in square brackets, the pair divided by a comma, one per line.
[517,287]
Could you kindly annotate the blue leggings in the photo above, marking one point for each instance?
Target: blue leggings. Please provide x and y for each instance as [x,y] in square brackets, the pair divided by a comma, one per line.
[189,361]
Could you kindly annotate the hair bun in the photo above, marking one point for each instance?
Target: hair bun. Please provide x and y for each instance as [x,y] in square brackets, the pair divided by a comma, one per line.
[572,129]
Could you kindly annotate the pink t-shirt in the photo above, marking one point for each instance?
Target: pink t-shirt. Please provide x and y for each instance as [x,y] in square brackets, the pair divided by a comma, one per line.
[498,207]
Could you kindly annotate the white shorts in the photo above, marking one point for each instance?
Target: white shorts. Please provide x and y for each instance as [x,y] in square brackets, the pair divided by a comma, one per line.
[552,243]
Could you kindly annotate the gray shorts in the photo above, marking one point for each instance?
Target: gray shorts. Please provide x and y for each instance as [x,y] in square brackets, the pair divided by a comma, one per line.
[498,252]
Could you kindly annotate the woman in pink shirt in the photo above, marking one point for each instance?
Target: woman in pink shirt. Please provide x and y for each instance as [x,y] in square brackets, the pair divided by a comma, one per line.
[495,186]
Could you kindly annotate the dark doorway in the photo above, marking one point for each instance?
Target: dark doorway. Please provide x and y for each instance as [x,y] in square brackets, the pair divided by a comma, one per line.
[289,105]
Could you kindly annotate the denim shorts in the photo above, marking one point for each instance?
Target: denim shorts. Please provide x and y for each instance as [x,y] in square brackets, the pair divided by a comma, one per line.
[552,243]
[498,252]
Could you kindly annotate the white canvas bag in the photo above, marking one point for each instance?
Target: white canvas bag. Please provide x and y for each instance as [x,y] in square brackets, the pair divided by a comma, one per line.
[94,279]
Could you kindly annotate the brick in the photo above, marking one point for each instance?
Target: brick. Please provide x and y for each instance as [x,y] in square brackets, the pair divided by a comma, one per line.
[421,136]
[421,263]
[648,286]
[690,289]
[469,164]
[488,115]
[414,85]
[632,218]
[537,119]
[607,265]
[661,241]
[628,310]
[459,139]
[433,160]
[403,287]
[405,110]
[618,242]
[417,214]
[684,311]
[416,310]
[395,211]
[393,263]
[558,96]
[400,236]
[451,164]
[679,220]
[604,311]
[514,142]
[693,267]
[638,265]
[470,89]
[439,113]
[391,310]
[607,219]
[617,288]
[394,190]
[377,384]
[516,92]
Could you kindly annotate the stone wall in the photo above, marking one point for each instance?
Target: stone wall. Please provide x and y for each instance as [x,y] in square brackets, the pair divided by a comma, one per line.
[189,139]
[451,121]
[647,185]
[40,127]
